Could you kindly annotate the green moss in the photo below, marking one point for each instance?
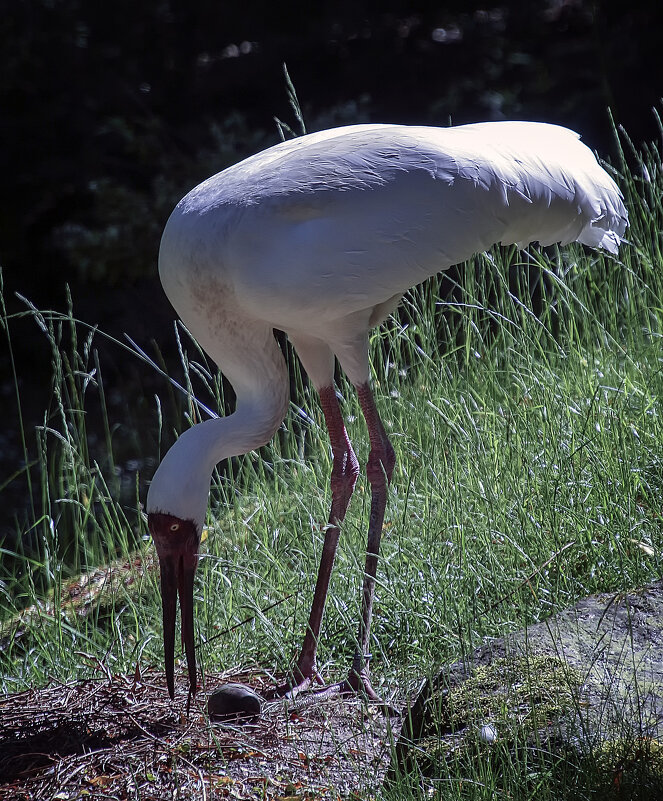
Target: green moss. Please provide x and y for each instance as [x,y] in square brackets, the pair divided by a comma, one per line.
[526,690]
[514,696]
[624,763]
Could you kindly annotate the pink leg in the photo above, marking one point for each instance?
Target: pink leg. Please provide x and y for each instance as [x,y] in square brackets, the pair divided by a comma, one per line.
[379,470]
[343,478]
[346,467]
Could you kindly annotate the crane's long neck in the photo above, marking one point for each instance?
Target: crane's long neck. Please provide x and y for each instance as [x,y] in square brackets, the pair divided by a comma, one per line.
[180,486]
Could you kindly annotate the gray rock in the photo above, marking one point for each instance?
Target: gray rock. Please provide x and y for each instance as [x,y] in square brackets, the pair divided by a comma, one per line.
[588,679]
[234,703]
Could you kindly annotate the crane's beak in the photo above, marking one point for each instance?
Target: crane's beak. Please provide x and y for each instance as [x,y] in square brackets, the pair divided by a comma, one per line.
[177,544]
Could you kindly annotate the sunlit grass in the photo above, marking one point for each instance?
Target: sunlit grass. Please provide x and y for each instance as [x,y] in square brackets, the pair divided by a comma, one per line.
[528,438]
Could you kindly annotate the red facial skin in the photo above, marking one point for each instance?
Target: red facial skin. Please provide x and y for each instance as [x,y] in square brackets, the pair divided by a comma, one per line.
[177,543]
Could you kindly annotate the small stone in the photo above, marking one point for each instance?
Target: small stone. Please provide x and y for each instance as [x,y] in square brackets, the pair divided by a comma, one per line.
[488,733]
[234,703]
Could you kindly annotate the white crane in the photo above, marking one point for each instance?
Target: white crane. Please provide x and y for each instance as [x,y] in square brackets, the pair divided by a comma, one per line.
[320,237]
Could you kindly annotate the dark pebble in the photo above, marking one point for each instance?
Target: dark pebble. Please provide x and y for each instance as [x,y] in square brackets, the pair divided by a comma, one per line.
[234,703]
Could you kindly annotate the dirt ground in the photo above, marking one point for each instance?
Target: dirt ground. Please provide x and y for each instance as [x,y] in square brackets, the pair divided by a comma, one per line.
[121,737]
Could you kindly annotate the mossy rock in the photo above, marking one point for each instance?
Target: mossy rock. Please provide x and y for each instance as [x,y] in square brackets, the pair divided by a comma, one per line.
[580,695]
[512,698]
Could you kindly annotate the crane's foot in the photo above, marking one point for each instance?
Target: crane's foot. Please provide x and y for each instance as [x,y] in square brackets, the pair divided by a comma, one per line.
[302,679]
[356,684]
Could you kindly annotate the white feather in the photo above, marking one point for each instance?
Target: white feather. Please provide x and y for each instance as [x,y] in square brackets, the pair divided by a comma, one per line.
[320,236]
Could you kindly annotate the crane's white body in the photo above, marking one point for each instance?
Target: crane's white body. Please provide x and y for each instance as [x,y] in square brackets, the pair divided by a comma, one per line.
[320,236]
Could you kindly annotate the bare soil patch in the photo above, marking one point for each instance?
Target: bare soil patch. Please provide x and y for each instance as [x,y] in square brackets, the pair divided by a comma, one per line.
[121,737]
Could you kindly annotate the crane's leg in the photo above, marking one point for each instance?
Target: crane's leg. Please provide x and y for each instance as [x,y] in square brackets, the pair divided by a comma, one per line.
[343,478]
[379,469]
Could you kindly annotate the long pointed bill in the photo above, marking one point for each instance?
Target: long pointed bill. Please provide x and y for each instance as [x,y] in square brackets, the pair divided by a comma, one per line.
[177,547]
[169,609]
[185,586]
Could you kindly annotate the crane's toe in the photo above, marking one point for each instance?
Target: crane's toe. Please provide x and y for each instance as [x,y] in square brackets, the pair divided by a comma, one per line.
[356,684]
[302,678]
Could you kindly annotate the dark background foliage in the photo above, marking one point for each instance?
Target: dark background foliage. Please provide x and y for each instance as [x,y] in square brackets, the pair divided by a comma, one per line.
[111,111]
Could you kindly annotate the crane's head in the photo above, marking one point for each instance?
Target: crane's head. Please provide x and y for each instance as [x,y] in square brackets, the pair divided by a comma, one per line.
[177,543]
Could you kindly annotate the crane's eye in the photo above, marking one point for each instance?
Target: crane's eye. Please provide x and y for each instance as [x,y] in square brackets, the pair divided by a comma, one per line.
[175,527]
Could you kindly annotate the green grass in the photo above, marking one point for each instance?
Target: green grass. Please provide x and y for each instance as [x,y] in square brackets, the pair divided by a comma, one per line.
[517,435]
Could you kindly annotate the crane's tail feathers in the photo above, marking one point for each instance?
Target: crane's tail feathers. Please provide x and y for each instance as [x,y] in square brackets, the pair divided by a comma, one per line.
[609,218]
[599,237]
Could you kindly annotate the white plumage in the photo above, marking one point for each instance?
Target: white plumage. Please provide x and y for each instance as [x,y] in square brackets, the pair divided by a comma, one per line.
[320,237]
